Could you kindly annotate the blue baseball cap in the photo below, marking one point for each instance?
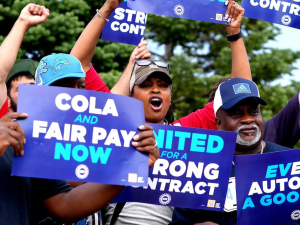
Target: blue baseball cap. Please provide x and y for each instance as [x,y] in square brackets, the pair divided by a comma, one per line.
[233,91]
[58,66]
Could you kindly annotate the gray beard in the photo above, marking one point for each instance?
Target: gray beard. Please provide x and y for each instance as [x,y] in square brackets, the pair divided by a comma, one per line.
[240,141]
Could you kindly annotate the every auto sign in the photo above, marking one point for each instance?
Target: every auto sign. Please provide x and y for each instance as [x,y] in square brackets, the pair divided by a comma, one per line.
[80,135]
[125,26]
[285,12]
[192,172]
[268,188]
[204,10]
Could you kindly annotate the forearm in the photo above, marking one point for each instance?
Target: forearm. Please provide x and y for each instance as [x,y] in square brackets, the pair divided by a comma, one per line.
[10,47]
[240,61]
[8,54]
[122,86]
[85,46]
[82,200]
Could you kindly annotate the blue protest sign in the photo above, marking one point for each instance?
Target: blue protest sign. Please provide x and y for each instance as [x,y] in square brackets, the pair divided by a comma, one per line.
[80,135]
[268,188]
[204,10]
[274,11]
[125,26]
[192,172]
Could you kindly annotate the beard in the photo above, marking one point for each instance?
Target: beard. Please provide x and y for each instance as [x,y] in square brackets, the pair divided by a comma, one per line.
[241,141]
[13,105]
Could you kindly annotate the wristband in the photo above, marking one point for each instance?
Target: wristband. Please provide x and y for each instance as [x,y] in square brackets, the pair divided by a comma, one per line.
[101,16]
[234,37]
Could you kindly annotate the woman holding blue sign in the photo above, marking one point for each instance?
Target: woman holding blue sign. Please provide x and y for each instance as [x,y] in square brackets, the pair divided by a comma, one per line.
[151,83]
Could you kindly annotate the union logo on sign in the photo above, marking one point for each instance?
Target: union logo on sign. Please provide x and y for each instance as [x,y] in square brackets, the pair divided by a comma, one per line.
[286,20]
[179,10]
[82,171]
[165,199]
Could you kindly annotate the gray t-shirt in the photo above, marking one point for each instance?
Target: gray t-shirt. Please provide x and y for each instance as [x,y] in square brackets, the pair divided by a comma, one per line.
[136,213]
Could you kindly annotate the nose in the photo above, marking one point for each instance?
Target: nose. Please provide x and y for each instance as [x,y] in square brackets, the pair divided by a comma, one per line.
[155,89]
[247,118]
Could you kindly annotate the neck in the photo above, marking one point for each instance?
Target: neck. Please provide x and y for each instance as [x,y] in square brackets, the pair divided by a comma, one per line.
[258,148]
[157,122]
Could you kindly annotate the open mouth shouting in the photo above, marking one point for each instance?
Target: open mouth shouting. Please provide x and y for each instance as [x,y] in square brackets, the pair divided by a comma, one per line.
[156,102]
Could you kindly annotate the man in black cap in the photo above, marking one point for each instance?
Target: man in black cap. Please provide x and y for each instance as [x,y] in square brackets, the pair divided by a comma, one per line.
[22,73]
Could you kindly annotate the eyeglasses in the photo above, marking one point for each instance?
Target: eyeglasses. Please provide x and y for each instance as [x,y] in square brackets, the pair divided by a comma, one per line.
[146,62]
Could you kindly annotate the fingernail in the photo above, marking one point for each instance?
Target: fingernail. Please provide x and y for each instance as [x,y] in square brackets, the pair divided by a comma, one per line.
[137,57]
[140,44]
[136,137]
[141,127]
[22,152]
[226,3]
[228,21]
[25,114]
[135,53]
[134,143]
[232,20]
[226,16]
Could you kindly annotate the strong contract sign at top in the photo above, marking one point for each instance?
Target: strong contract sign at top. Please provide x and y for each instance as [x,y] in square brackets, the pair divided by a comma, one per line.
[125,26]
[285,12]
[203,10]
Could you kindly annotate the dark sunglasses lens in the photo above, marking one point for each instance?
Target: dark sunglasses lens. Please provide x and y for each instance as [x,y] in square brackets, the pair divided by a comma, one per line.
[143,62]
[161,64]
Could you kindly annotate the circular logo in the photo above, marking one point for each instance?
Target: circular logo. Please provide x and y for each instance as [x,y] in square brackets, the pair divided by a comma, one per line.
[82,171]
[165,199]
[295,215]
[286,20]
[179,10]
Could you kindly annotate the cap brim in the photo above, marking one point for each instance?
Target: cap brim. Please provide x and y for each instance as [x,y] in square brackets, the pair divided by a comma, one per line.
[156,71]
[233,102]
[69,75]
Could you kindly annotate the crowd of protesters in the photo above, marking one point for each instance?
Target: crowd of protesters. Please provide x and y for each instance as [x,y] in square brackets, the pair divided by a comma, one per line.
[41,201]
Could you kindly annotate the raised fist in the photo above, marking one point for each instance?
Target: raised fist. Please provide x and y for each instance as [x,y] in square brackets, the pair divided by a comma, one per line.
[34,14]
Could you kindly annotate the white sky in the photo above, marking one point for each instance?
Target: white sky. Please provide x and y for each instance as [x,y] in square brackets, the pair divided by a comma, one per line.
[289,39]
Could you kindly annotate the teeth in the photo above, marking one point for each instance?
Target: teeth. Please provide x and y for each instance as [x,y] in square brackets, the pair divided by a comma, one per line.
[155,99]
[250,134]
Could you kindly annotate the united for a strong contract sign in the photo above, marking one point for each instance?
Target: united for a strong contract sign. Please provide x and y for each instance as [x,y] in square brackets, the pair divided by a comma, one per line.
[192,172]
[80,135]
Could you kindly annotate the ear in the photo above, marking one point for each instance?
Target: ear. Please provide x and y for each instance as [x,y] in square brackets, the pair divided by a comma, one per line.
[218,123]
[9,102]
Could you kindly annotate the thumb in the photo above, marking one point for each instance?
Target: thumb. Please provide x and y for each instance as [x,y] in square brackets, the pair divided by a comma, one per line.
[45,15]
[13,115]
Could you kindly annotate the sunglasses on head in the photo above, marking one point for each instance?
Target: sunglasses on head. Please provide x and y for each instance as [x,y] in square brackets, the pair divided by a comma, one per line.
[146,62]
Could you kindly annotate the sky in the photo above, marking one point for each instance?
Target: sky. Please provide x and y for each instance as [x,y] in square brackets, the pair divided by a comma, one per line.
[288,39]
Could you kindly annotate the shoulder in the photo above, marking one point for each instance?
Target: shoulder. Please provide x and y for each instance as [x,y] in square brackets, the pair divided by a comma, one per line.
[272,147]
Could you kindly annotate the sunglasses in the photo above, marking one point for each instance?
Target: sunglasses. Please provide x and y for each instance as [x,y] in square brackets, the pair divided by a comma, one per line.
[146,62]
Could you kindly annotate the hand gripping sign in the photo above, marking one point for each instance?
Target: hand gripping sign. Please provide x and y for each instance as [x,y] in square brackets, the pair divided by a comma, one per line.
[192,172]
[125,26]
[285,12]
[203,10]
[268,187]
[80,135]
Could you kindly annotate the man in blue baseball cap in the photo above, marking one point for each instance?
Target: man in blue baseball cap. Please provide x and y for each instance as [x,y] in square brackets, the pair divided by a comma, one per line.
[62,70]
[237,108]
